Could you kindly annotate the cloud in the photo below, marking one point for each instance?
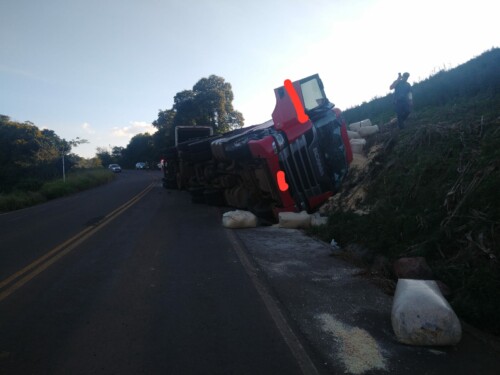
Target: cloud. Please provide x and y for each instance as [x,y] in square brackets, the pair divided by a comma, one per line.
[21,73]
[135,127]
[87,128]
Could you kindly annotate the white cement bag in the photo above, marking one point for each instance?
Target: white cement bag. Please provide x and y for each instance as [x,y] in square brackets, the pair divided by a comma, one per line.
[422,316]
[357,145]
[317,220]
[294,220]
[353,135]
[368,130]
[358,125]
[239,219]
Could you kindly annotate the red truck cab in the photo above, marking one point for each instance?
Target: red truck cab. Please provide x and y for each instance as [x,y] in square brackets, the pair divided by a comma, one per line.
[313,155]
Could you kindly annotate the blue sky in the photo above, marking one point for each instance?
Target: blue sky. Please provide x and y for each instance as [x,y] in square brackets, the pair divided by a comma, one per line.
[101,70]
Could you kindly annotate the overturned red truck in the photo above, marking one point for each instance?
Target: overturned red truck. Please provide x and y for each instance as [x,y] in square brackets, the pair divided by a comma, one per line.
[281,165]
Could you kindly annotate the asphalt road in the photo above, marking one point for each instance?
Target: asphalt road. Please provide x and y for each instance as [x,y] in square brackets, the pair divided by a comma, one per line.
[150,287]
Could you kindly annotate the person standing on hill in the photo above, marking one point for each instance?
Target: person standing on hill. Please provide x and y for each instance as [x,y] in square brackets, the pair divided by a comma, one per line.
[403,98]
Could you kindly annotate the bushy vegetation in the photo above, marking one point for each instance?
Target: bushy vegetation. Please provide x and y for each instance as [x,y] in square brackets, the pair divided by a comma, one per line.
[432,190]
[34,191]
[29,156]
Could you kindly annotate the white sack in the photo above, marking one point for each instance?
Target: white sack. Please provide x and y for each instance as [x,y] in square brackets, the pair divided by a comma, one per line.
[357,145]
[353,135]
[358,125]
[422,316]
[294,220]
[239,219]
[368,130]
[317,220]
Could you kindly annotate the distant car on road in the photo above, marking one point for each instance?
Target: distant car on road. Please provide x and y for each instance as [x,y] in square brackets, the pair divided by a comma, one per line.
[141,165]
[115,168]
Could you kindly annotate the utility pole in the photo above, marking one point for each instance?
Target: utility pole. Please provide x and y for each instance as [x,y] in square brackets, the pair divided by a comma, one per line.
[69,144]
[64,171]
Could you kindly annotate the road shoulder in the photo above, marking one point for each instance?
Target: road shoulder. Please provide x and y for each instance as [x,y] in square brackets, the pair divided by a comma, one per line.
[343,315]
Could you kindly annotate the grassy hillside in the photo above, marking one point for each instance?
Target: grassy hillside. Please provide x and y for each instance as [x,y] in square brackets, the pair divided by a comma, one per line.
[32,191]
[433,190]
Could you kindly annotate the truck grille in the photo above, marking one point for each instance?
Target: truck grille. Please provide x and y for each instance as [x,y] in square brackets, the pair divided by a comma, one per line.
[299,168]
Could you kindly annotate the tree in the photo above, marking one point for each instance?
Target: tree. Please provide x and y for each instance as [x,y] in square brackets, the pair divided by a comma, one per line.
[186,111]
[28,152]
[165,136]
[116,153]
[104,156]
[209,103]
[140,148]
[214,103]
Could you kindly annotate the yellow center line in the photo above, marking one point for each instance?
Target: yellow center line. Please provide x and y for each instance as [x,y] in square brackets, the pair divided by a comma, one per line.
[52,256]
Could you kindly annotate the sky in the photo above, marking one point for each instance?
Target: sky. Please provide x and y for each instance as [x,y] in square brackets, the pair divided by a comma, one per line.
[102,69]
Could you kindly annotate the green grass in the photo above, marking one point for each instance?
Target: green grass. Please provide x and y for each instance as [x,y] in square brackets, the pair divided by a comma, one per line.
[30,193]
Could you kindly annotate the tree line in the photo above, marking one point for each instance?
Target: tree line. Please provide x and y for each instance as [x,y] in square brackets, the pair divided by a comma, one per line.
[29,155]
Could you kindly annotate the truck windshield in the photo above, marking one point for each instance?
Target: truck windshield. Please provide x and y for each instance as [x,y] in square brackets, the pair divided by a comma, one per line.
[312,93]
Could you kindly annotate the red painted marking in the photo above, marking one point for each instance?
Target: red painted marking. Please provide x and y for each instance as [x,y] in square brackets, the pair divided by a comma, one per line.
[280,177]
[299,109]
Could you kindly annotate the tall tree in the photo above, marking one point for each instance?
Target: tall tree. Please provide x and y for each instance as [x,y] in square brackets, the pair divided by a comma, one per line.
[185,107]
[214,103]
[140,148]
[209,103]
[164,137]
[104,156]
[116,153]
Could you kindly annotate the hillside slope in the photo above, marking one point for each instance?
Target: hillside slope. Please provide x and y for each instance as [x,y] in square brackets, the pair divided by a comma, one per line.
[433,189]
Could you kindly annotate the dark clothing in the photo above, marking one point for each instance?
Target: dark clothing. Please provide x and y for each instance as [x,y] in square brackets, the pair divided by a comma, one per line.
[402,101]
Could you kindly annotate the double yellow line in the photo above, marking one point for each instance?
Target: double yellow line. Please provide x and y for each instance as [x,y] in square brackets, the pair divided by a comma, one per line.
[21,277]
